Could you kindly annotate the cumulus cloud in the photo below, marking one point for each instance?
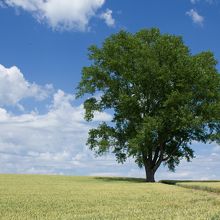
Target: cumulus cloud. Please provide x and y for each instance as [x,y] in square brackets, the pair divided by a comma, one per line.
[107,17]
[13,87]
[196,18]
[61,15]
[52,142]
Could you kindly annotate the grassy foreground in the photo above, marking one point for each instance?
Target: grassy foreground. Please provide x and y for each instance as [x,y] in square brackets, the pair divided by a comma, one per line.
[30,197]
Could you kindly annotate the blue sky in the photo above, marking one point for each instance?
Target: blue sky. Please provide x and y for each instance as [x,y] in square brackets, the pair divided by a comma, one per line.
[43,49]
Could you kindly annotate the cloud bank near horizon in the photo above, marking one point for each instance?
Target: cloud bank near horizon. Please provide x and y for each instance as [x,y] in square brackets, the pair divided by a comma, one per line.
[53,142]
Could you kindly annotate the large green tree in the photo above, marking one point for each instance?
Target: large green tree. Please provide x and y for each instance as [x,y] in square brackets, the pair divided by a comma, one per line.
[161,96]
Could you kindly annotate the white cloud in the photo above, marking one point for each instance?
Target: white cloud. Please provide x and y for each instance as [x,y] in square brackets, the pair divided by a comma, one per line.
[41,143]
[107,17]
[61,15]
[196,18]
[204,167]
[53,142]
[208,1]
[3,115]
[216,148]
[13,87]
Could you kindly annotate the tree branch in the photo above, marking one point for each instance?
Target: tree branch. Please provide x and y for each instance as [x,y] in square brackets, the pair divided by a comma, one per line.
[174,150]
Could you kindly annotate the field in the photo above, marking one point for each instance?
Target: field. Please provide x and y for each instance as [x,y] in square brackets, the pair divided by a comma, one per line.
[206,186]
[27,197]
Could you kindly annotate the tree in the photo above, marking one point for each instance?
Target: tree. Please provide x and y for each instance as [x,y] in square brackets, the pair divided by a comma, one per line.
[162,98]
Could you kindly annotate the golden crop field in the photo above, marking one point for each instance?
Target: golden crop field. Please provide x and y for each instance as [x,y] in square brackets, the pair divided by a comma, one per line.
[27,197]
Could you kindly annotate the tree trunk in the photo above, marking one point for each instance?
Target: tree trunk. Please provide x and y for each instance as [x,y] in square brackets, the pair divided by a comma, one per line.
[149,175]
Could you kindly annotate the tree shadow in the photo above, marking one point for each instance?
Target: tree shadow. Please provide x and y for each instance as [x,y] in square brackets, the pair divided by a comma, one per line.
[120,179]
[174,182]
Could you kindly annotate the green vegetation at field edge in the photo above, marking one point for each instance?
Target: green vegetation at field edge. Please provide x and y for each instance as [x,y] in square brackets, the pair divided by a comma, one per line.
[206,185]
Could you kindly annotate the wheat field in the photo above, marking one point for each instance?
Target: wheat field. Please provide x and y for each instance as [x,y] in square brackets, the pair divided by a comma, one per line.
[27,197]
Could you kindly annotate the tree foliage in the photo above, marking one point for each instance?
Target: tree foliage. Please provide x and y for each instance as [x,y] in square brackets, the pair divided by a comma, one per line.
[162,98]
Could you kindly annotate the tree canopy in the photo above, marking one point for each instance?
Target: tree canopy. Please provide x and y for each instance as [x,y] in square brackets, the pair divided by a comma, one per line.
[162,98]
